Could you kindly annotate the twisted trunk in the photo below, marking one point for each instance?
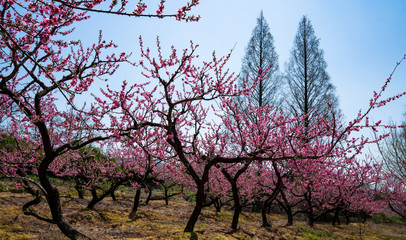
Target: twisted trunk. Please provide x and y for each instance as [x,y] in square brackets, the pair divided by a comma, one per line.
[53,199]
[96,198]
[136,203]
[197,210]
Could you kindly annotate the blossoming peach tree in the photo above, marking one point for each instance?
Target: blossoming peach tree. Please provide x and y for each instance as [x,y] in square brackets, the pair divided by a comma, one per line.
[39,66]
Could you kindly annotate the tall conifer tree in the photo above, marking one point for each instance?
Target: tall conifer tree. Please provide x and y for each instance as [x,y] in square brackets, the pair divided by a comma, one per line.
[261,59]
[310,89]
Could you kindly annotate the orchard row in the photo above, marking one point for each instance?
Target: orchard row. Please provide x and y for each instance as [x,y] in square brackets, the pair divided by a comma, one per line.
[177,124]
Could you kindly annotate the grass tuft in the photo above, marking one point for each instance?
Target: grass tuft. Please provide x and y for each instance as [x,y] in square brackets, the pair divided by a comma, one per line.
[308,233]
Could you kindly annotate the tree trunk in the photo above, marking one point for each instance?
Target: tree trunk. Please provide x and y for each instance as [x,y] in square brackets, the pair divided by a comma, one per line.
[135,204]
[55,204]
[271,198]
[80,191]
[288,209]
[310,209]
[96,199]
[113,195]
[265,222]
[236,216]
[290,217]
[236,195]
[237,204]
[310,215]
[217,204]
[336,218]
[149,195]
[347,217]
[197,210]
[364,216]
[71,233]
[166,196]
[268,202]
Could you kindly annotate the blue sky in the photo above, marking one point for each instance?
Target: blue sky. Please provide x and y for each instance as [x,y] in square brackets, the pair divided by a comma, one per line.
[362,39]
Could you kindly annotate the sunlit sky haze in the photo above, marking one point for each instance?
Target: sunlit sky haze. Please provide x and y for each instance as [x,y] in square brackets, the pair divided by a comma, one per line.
[362,40]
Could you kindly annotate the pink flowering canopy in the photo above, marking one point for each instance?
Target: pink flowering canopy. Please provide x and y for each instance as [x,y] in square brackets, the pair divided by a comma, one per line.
[176,123]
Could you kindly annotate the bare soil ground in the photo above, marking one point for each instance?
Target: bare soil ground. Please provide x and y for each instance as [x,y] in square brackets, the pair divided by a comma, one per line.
[158,221]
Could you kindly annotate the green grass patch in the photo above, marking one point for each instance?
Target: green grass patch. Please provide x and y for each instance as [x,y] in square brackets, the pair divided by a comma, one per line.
[393,238]
[308,233]
[397,219]
[223,216]
[382,218]
[16,236]
[219,237]
[70,192]
[187,236]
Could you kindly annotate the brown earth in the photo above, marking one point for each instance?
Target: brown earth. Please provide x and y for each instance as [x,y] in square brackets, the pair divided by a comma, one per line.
[157,221]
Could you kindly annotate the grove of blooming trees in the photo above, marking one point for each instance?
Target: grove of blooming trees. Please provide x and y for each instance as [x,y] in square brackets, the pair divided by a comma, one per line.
[176,125]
